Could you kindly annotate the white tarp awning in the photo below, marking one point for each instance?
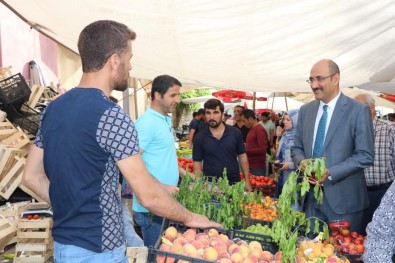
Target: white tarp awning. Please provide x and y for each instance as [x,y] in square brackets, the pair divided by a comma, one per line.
[247,45]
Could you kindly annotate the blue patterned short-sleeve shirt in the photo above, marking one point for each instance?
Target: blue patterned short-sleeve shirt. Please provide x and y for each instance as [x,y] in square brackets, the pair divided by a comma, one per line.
[83,135]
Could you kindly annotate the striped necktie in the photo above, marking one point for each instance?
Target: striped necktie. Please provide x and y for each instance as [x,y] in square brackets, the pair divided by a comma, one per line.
[320,136]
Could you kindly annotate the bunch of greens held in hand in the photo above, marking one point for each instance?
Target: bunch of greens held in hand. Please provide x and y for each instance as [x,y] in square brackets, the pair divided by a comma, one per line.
[290,223]
[215,198]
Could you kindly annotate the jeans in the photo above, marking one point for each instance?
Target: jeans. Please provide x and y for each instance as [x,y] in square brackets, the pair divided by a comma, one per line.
[150,227]
[73,254]
[132,239]
[258,171]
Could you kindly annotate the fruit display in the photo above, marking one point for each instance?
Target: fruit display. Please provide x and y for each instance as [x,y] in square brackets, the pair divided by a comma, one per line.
[265,210]
[211,246]
[311,251]
[348,243]
[185,163]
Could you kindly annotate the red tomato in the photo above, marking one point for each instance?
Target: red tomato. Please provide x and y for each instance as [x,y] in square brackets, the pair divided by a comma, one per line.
[36,216]
[29,217]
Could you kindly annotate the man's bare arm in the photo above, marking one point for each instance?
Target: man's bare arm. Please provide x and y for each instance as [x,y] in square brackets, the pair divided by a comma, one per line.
[34,176]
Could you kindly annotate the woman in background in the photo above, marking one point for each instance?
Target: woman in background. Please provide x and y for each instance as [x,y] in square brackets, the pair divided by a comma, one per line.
[283,163]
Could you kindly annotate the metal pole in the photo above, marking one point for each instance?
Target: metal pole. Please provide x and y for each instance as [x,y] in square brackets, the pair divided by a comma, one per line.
[274,96]
[286,101]
[253,102]
[135,83]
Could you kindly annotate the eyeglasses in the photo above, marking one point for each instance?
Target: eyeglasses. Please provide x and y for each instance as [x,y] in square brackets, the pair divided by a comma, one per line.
[319,78]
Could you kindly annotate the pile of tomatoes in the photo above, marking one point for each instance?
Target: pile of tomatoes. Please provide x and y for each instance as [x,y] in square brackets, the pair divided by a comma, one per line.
[186,164]
[30,217]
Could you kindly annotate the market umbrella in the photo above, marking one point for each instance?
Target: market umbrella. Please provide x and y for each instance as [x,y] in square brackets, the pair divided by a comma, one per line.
[229,95]
[387,96]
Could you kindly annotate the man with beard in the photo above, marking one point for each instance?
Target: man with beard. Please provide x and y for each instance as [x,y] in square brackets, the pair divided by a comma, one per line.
[339,129]
[83,142]
[157,149]
[239,122]
[219,146]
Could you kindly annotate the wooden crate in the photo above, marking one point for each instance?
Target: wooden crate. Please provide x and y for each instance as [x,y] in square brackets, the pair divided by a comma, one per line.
[7,159]
[34,240]
[13,211]
[37,92]
[137,254]
[7,232]
[5,72]
[13,178]
[18,140]
[6,129]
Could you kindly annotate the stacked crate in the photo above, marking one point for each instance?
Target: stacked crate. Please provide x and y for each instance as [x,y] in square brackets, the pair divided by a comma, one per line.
[34,240]
[7,232]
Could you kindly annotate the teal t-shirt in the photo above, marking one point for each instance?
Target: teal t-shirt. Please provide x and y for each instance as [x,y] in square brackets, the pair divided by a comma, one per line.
[157,141]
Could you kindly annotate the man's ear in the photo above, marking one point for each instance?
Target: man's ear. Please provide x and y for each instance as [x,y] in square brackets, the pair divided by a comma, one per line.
[114,61]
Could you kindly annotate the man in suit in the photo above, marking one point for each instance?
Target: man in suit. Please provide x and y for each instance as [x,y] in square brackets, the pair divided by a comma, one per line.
[345,140]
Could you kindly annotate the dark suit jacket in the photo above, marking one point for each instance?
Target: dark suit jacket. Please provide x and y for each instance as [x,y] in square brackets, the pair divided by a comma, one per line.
[348,148]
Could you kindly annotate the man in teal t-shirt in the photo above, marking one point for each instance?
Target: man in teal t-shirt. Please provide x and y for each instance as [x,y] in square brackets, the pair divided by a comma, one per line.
[158,149]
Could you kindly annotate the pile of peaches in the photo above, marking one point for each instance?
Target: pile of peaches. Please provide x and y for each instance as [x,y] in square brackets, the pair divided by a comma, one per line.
[345,241]
[212,246]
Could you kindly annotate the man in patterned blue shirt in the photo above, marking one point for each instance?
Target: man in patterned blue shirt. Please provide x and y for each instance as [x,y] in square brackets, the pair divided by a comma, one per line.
[83,142]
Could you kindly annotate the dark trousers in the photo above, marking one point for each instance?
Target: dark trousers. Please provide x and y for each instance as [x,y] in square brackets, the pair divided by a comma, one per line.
[325,213]
[375,194]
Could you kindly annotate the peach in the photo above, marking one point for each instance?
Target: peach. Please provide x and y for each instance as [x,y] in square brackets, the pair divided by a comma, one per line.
[237,258]
[189,235]
[210,254]
[197,244]
[234,249]
[255,244]
[245,251]
[229,243]
[257,253]
[223,237]
[220,247]
[224,260]
[242,242]
[180,240]
[171,231]
[164,247]
[212,232]
[224,255]
[251,259]
[332,259]
[189,250]
[277,256]
[176,248]
[266,255]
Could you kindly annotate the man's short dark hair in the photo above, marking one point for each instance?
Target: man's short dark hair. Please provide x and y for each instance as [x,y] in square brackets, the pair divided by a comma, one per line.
[162,83]
[239,106]
[265,114]
[99,40]
[247,113]
[200,111]
[212,104]
[194,114]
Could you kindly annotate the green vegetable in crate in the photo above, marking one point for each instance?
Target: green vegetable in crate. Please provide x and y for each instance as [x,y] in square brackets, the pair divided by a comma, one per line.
[259,229]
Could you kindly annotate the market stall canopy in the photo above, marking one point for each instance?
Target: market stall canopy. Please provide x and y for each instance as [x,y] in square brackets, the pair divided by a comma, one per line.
[252,45]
